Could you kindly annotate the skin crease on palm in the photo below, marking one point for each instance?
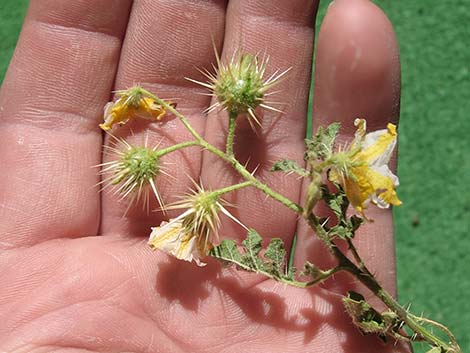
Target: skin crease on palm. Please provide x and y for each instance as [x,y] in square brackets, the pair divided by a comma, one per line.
[75,275]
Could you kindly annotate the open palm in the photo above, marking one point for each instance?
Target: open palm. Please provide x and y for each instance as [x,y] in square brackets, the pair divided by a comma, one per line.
[78,276]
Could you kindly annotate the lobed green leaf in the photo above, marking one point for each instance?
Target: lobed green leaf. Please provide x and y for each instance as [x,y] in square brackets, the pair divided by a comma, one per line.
[321,145]
[289,166]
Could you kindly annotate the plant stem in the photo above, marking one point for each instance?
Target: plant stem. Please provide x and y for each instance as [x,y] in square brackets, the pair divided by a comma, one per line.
[324,275]
[176,147]
[230,159]
[180,116]
[366,278]
[356,256]
[439,326]
[231,188]
[263,187]
[321,277]
[232,124]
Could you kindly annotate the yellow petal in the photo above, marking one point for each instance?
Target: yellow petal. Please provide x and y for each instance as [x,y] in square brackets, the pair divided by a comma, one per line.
[369,183]
[382,145]
[175,240]
[165,237]
[358,188]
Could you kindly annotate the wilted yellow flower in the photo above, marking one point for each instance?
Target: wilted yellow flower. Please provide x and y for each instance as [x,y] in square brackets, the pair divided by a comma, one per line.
[175,239]
[132,103]
[188,236]
[363,170]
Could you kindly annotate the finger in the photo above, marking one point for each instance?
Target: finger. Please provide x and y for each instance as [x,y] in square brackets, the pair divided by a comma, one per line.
[357,74]
[284,31]
[159,59]
[52,96]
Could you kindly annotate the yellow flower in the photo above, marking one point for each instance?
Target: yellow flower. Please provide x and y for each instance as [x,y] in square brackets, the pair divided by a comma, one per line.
[132,103]
[188,236]
[363,170]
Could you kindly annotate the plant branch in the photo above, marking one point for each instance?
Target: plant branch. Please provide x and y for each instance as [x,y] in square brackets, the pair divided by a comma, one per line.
[176,147]
[439,326]
[231,188]
[366,278]
[232,124]
[356,256]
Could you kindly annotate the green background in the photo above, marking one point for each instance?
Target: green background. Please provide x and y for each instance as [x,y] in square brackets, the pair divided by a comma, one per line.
[432,230]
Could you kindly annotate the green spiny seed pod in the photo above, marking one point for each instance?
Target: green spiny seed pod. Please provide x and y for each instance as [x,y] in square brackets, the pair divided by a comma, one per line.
[132,174]
[240,86]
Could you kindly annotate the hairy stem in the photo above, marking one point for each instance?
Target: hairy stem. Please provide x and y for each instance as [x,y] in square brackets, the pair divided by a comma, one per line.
[232,124]
[439,326]
[366,278]
[230,159]
[324,275]
[263,187]
[176,147]
[231,188]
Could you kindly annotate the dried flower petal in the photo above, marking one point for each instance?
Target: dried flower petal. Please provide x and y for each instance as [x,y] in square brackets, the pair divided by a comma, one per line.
[363,169]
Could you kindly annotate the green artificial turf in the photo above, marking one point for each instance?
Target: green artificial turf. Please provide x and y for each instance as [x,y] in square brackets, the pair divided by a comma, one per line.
[433,244]
[432,226]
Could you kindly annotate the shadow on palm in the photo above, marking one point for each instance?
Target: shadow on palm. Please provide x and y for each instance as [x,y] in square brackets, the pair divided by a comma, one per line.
[258,310]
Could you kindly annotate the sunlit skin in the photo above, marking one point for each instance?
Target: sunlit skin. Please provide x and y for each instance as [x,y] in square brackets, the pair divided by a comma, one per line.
[75,275]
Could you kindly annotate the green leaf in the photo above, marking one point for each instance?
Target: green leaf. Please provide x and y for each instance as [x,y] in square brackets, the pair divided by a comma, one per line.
[227,252]
[277,254]
[252,247]
[336,205]
[345,227]
[271,264]
[289,166]
[341,232]
[321,145]
[362,314]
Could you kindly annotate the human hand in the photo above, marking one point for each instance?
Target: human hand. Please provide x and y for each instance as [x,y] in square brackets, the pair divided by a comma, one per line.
[77,275]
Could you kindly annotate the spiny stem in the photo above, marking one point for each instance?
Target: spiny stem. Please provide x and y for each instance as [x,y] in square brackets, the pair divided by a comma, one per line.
[366,278]
[176,147]
[356,256]
[439,326]
[263,187]
[322,276]
[370,282]
[230,159]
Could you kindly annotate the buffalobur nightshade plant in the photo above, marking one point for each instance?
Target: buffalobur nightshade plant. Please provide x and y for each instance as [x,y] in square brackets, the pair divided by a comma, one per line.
[357,175]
